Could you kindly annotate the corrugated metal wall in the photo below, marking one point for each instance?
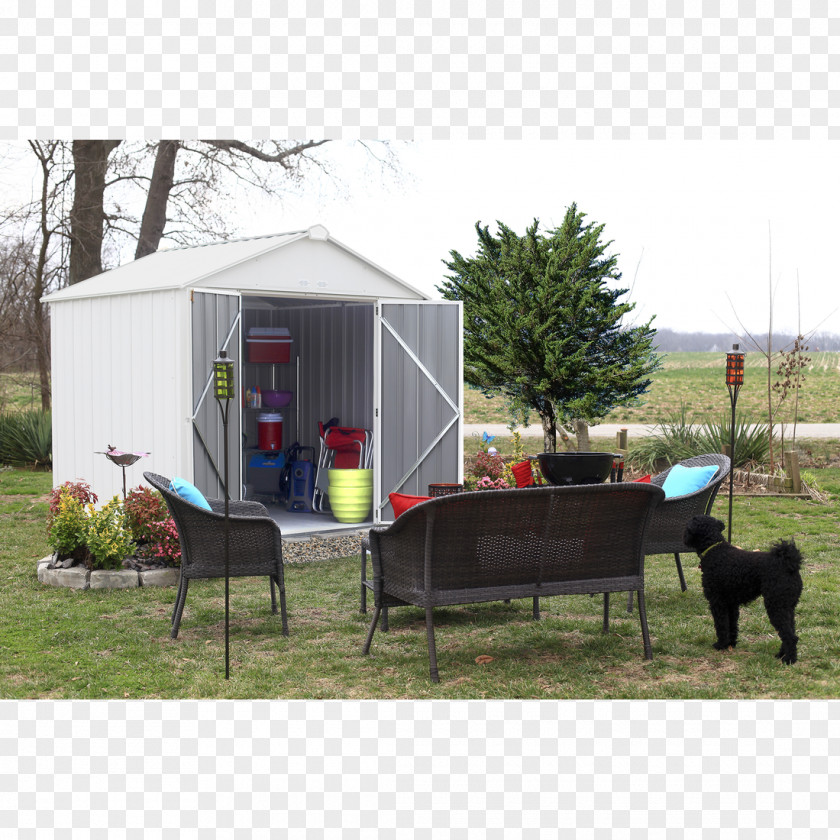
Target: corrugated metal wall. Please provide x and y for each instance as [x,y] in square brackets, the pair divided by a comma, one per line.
[213,315]
[115,381]
[413,411]
[333,344]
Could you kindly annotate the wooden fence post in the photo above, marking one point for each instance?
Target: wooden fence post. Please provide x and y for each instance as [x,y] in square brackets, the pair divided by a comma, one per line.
[792,470]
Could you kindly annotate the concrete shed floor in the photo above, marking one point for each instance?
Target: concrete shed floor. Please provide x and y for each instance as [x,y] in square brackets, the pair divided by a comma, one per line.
[308,524]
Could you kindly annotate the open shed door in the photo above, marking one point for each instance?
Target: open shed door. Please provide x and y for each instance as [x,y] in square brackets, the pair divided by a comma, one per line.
[215,321]
[418,383]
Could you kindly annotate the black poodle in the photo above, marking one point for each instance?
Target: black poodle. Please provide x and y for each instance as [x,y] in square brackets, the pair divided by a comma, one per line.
[732,576]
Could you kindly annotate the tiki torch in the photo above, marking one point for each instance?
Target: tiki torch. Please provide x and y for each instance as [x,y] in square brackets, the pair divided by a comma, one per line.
[734,381]
[224,393]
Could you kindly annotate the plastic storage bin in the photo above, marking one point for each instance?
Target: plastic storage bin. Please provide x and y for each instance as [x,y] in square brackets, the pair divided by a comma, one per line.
[269,344]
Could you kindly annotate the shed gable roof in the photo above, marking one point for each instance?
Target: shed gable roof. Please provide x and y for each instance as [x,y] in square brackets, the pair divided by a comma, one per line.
[195,265]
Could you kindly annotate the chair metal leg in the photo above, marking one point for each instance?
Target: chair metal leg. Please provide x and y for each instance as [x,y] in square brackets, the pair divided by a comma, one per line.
[430,638]
[273,596]
[680,572]
[284,619]
[606,627]
[179,606]
[363,605]
[371,630]
[181,583]
[384,619]
[643,619]
[682,583]
[536,609]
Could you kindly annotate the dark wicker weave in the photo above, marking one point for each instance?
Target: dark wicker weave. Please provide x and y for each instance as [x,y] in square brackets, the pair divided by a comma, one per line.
[255,545]
[667,525]
[504,544]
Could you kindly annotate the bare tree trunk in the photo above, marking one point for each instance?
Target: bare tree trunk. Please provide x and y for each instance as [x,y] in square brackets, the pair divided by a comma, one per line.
[582,435]
[40,325]
[154,214]
[87,217]
[549,433]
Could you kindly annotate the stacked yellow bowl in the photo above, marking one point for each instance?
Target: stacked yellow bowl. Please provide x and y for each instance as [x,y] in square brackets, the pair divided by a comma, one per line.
[351,494]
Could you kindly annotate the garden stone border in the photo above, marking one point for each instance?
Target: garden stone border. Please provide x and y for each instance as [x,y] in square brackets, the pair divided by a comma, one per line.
[78,577]
[296,550]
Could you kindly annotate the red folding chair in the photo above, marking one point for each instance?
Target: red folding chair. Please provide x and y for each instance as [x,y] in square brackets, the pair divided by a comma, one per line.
[341,448]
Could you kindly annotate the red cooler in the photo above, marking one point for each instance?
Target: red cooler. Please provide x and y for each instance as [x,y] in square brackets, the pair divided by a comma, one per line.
[269,344]
[270,432]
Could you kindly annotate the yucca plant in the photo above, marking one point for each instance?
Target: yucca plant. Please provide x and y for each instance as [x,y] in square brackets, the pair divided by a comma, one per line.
[26,439]
[680,437]
[673,440]
[752,440]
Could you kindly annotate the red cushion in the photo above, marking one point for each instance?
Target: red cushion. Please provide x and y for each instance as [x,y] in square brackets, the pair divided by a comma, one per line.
[645,479]
[400,502]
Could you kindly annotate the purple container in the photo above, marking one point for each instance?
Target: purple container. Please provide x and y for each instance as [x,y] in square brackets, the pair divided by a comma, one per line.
[276,399]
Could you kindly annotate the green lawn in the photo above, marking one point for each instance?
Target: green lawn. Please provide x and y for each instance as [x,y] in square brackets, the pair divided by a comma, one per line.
[60,643]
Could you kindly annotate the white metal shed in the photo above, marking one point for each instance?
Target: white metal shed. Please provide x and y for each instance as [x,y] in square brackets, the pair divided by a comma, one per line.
[132,351]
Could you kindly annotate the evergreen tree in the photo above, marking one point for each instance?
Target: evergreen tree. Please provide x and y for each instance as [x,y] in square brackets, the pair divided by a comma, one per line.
[542,327]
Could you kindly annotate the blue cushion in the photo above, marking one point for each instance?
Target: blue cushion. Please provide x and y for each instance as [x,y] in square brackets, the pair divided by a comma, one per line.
[683,480]
[189,492]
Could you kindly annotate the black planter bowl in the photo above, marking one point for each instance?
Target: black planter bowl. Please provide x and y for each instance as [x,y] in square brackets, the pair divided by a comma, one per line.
[562,468]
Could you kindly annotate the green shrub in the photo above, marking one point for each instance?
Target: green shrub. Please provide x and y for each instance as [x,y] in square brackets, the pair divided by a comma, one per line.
[26,439]
[75,528]
[67,523]
[108,540]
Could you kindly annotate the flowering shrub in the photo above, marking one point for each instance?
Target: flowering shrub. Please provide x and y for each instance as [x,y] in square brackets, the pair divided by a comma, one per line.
[102,539]
[108,540]
[163,542]
[487,483]
[143,508]
[488,465]
[151,527]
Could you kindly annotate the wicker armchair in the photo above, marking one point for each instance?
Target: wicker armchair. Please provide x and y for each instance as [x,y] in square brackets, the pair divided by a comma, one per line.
[667,525]
[255,545]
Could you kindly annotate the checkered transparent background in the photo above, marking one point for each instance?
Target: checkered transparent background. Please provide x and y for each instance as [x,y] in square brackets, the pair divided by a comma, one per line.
[494,769]
[697,69]
[502,69]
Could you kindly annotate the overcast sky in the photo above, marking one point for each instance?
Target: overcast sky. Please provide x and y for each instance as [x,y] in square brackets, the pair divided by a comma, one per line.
[695,224]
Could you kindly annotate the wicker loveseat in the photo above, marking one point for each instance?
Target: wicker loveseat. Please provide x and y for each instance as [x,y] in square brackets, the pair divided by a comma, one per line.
[255,545]
[507,544]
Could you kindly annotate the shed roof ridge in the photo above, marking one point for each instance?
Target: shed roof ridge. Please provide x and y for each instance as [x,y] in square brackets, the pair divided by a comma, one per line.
[233,240]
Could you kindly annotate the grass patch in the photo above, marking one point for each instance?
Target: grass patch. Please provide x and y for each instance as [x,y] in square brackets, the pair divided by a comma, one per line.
[64,644]
[20,391]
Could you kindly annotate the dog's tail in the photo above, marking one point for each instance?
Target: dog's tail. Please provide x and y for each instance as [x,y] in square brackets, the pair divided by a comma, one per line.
[788,555]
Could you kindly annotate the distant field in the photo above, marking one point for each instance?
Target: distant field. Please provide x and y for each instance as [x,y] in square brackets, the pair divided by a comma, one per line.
[698,380]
